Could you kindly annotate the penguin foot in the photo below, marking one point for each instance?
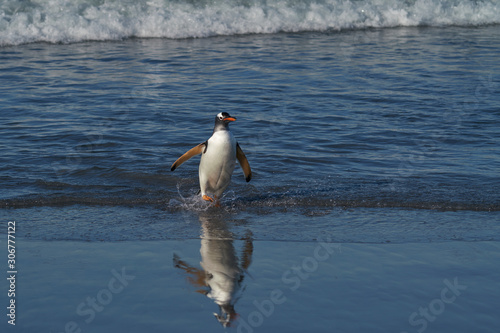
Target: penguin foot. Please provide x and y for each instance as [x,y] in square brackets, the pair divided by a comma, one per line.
[217,201]
[207,198]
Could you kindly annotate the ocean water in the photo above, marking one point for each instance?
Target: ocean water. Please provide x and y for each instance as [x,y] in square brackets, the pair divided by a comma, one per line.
[371,125]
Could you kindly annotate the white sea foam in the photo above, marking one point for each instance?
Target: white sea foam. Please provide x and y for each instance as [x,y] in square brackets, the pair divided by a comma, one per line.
[62,21]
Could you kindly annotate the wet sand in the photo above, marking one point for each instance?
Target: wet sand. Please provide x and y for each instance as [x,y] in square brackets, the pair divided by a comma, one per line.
[169,286]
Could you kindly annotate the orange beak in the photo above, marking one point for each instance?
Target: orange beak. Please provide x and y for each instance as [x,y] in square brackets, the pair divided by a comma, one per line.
[230,119]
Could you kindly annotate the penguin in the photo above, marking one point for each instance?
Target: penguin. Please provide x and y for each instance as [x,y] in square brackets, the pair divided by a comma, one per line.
[218,159]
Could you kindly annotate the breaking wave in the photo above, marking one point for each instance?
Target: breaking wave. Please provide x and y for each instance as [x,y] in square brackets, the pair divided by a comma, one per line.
[61,21]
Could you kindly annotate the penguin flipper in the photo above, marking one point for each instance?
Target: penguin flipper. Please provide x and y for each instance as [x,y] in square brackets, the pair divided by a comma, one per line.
[243,162]
[190,153]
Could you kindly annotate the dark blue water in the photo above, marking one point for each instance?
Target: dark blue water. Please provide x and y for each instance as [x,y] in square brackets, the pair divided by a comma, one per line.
[401,118]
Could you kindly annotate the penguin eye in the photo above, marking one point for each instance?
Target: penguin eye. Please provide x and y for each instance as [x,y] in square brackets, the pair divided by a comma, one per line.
[221,117]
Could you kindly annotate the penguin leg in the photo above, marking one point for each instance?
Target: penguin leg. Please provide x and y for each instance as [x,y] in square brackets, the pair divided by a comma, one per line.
[217,201]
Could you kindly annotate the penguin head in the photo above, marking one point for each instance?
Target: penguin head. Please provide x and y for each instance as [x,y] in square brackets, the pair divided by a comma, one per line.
[227,316]
[222,121]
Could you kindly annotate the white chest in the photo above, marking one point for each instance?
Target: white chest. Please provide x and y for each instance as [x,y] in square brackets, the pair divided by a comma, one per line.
[222,145]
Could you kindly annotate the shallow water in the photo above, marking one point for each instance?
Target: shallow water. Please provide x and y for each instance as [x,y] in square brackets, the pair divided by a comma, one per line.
[394,118]
[135,286]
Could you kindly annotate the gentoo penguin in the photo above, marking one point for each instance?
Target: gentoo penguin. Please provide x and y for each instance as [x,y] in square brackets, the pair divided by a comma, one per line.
[218,158]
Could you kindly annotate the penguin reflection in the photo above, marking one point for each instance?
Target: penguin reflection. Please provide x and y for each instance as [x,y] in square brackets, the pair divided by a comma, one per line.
[221,274]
